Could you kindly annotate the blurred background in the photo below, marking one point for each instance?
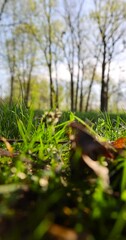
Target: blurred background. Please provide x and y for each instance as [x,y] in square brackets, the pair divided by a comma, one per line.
[66,54]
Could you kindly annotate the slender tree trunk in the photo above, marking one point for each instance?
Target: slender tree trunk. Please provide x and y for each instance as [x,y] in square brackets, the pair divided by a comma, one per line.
[81,88]
[28,86]
[48,51]
[12,65]
[51,86]
[108,76]
[21,92]
[27,93]
[90,88]
[91,83]
[78,80]
[11,89]
[72,91]
[81,96]
[104,97]
[57,87]
[104,94]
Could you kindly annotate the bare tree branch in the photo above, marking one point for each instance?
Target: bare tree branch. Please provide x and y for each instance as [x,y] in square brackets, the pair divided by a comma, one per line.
[2,8]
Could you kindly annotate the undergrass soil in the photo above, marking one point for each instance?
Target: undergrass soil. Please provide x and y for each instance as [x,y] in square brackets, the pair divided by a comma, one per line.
[38,197]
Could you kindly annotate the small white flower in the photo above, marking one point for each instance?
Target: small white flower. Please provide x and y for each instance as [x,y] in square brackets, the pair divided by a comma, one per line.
[21,175]
[43,182]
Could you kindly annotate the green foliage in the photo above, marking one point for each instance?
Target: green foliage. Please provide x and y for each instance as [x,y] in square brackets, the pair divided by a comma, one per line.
[8,119]
[36,190]
[111,125]
[39,93]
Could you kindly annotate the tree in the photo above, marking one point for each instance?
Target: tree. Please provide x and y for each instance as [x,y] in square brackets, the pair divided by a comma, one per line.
[69,47]
[10,46]
[11,61]
[79,41]
[20,51]
[73,41]
[56,51]
[25,59]
[94,69]
[108,15]
[47,39]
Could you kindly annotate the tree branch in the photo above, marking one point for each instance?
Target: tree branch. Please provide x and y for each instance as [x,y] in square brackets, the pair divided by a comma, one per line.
[2,8]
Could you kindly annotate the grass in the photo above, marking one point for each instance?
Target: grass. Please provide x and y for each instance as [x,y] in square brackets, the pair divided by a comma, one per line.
[36,191]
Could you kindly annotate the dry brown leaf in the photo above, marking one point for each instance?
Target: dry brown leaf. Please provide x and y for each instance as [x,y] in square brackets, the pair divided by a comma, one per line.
[8,145]
[88,144]
[59,232]
[6,153]
[119,143]
[87,149]
[62,233]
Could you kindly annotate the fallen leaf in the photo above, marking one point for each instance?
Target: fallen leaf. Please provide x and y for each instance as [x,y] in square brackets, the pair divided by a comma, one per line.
[59,232]
[8,145]
[6,153]
[88,144]
[62,233]
[86,150]
[119,143]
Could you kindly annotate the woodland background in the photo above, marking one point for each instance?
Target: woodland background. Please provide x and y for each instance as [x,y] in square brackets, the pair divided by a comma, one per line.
[61,53]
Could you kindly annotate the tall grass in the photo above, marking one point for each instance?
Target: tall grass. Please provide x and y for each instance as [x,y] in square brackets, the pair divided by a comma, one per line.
[36,190]
[8,119]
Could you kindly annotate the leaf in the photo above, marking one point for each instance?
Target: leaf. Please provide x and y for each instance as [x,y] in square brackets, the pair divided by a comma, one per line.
[6,153]
[120,143]
[8,146]
[88,144]
[60,232]
[86,149]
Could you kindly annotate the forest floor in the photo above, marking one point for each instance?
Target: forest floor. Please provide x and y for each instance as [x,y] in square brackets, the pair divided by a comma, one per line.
[62,178]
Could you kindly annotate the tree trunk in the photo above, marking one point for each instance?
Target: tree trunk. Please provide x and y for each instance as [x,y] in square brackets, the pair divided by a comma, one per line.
[81,88]
[11,89]
[57,95]
[51,86]
[104,93]
[78,80]
[104,97]
[90,87]
[81,96]
[28,88]
[57,87]
[72,91]
[92,80]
